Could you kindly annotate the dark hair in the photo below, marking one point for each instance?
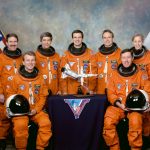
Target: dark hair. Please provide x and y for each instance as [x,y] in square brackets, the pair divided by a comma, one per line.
[127,50]
[12,35]
[46,34]
[140,35]
[78,31]
[109,31]
[30,53]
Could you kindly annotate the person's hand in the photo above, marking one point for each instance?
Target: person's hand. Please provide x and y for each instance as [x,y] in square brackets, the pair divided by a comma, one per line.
[32,112]
[148,109]
[2,98]
[59,93]
[65,93]
[122,106]
[91,92]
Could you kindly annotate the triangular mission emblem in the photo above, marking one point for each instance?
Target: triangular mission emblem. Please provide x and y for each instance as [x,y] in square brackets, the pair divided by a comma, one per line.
[77,105]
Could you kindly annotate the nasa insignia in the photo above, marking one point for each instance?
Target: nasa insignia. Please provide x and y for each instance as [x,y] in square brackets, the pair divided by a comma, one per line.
[22,87]
[101,76]
[42,64]
[44,76]
[119,86]
[10,78]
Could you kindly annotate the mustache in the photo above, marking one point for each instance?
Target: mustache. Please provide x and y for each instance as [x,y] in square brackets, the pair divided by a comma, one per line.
[13,45]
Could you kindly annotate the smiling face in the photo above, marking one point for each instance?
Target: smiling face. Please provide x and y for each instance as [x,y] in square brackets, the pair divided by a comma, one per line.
[107,39]
[12,43]
[137,42]
[77,40]
[46,42]
[29,63]
[126,59]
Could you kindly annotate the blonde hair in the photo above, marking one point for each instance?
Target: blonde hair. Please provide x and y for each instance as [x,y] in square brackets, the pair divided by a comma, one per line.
[30,53]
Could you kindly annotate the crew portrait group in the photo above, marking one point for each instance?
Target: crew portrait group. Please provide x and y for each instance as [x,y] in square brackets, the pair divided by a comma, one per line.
[35,75]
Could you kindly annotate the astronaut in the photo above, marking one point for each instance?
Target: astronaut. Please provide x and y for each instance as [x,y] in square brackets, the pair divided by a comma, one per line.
[30,83]
[48,61]
[80,59]
[11,58]
[126,78]
[108,58]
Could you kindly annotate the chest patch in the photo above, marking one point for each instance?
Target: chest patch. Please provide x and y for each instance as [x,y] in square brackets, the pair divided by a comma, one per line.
[119,86]
[100,64]
[71,63]
[8,67]
[114,64]
[42,64]
[22,87]
[37,88]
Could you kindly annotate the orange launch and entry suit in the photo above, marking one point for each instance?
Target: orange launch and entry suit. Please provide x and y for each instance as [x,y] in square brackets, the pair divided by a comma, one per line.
[2,114]
[85,62]
[118,88]
[143,63]
[33,87]
[49,67]
[8,68]
[106,63]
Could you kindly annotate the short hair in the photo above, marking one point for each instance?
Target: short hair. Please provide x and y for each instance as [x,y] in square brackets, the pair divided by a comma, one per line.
[78,31]
[46,34]
[127,50]
[136,35]
[30,53]
[12,35]
[109,31]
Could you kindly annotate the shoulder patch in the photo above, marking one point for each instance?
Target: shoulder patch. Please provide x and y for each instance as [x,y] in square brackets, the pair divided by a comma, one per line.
[145,77]
[22,87]
[42,64]
[44,76]
[8,67]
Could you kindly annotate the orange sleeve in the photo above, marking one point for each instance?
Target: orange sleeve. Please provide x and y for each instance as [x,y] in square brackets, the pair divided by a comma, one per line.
[118,56]
[1,69]
[13,87]
[1,65]
[37,60]
[111,90]
[43,93]
[1,89]
[93,70]
[148,63]
[59,74]
[148,70]
[145,83]
[63,82]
